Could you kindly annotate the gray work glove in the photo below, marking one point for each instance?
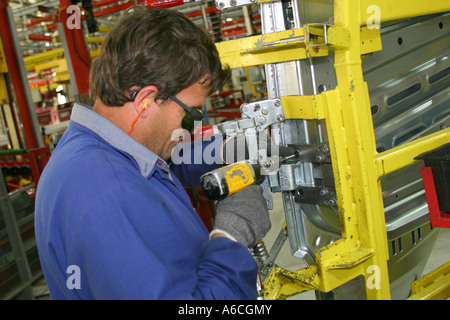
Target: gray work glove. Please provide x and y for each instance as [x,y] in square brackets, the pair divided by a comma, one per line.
[243,216]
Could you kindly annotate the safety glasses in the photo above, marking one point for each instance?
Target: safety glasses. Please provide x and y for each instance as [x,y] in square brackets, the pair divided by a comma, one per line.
[192,114]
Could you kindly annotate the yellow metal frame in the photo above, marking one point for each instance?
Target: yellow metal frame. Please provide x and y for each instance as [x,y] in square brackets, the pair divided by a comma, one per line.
[433,286]
[32,61]
[292,45]
[357,167]
[4,97]
[3,63]
[268,48]
[403,9]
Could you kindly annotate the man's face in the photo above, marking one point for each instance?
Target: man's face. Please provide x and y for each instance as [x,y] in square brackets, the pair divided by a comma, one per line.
[164,131]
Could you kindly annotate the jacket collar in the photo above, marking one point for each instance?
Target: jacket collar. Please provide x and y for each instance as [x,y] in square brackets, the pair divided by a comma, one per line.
[116,137]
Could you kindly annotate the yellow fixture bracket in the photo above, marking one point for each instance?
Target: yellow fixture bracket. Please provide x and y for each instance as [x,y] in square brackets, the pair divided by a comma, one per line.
[3,62]
[313,40]
[433,286]
[268,48]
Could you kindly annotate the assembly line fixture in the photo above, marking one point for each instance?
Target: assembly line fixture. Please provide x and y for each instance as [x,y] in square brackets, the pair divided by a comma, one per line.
[357,166]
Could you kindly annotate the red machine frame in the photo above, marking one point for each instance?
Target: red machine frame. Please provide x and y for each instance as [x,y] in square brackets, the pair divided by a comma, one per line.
[36,159]
[437,218]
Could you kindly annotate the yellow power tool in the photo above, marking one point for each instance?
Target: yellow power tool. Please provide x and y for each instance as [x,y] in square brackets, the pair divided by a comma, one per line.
[223,182]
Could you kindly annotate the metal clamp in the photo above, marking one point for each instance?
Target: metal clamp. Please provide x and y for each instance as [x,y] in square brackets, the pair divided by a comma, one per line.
[264,113]
[256,115]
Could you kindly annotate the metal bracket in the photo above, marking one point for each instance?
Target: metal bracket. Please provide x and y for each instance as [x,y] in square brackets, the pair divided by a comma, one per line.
[287,178]
[316,195]
[264,113]
[258,115]
[314,153]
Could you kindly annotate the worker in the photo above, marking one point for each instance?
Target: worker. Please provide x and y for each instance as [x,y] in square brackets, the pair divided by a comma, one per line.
[113,220]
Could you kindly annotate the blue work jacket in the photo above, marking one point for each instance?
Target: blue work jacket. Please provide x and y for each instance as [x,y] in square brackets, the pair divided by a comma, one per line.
[113,221]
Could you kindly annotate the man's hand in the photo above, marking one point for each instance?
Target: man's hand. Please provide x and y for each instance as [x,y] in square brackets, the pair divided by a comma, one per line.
[243,217]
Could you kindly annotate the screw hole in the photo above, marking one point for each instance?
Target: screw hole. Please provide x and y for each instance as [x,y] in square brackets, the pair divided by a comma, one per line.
[375,109]
[441,25]
[399,41]
[321,88]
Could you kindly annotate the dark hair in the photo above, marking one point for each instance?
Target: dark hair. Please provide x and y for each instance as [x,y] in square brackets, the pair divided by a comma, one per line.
[160,47]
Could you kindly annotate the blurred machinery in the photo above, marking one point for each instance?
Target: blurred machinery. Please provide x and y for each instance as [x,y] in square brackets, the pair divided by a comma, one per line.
[359,95]
[257,80]
[226,104]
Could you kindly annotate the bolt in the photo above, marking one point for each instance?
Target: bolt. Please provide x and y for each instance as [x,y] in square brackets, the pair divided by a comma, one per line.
[323,192]
[277,103]
[261,119]
[269,164]
[264,111]
[280,118]
[221,5]
[233,3]
[256,107]
[319,158]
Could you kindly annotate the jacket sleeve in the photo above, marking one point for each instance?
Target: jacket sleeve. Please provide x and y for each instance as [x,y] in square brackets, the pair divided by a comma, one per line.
[191,160]
[120,260]
[232,276]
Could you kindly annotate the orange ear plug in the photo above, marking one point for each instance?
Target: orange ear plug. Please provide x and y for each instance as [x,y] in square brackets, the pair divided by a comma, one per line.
[145,103]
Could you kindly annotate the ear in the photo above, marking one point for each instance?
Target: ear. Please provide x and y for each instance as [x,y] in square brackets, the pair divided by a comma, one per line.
[144,99]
